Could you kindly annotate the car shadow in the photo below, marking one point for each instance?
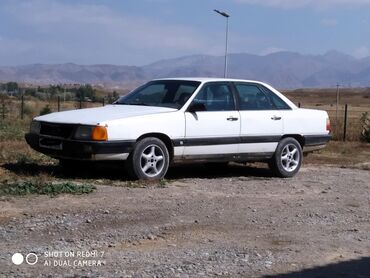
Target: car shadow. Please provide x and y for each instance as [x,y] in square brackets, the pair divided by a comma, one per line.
[79,171]
[353,268]
[211,171]
[116,170]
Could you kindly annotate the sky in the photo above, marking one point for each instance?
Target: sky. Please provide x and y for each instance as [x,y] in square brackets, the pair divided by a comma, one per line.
[139,32]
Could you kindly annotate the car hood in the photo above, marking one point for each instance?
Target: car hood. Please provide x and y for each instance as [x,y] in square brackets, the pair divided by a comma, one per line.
[99,115]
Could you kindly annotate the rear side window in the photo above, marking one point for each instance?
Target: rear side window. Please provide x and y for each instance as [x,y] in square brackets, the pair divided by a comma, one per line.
[254,97]
[216,97]
[276,100]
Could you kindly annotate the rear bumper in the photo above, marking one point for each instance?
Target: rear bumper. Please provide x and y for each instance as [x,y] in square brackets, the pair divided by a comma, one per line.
[316,142]
[84,150]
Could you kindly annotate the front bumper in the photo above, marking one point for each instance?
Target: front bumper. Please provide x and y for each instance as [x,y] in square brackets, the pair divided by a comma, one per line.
[74,149]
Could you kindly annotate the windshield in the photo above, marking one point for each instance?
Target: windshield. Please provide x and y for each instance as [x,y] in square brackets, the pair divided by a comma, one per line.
[162,93]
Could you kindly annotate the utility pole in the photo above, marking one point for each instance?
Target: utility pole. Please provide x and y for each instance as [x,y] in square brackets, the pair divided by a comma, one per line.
[227,35]
[336,110]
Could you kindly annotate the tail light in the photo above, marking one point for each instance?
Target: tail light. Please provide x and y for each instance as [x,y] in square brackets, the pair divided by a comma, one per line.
[328,128]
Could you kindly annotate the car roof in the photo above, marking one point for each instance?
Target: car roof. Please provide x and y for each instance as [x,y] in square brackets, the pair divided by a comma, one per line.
[210,79]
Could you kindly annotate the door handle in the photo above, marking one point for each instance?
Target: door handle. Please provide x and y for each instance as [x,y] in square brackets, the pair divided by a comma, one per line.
[275,118]
[231,118]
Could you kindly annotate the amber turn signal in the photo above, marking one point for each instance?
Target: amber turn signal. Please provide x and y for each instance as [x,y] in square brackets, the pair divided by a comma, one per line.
[100,133]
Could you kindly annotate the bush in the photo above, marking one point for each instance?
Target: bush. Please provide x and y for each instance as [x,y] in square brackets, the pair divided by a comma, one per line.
[365,124]
[44,188]
[27,110]
[12,130]
[45,110]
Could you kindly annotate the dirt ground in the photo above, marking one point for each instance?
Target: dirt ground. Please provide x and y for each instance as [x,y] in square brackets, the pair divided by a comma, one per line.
[206,221]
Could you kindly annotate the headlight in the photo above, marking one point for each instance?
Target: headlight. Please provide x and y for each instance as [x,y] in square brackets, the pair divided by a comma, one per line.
[96,133]
[35,127]
[83,132]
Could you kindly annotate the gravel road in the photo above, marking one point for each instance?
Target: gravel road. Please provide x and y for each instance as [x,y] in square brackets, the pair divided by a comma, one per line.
[239,223]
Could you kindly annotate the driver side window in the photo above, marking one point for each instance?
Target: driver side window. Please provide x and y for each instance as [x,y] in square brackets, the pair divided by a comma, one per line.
[152,94]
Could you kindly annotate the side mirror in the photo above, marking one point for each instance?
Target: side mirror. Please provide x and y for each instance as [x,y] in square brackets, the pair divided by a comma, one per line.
[196,107]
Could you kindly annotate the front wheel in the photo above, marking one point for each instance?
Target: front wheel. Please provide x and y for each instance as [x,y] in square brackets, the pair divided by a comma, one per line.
[287,159]
[149,159]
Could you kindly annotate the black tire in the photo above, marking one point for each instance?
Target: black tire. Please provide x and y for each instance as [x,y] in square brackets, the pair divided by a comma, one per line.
[287,159]
[149,160]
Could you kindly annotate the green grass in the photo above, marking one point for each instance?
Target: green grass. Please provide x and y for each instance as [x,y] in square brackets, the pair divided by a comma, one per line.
[44,188]
[162,183]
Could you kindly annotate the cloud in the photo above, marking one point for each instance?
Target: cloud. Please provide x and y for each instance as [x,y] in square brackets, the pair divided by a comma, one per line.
[271,50]
[94,32]
[102,20]
[361,52]
[292,4]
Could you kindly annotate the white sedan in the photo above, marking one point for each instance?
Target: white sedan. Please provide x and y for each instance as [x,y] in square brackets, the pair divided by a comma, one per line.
[169,121]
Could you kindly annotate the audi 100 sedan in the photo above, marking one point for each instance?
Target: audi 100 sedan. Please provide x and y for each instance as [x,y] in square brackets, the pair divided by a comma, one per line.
[170,121]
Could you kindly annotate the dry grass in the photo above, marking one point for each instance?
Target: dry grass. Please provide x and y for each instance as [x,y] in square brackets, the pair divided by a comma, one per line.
[357,97]
[33,106]
[343,154]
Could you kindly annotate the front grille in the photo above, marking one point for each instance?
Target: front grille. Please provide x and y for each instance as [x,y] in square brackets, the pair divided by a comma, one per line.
[57,130]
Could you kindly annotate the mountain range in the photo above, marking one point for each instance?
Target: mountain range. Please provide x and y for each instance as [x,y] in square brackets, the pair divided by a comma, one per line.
[281,69]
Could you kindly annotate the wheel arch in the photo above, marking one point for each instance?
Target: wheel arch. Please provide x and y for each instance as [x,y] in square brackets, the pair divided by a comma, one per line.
[163,137]
[298,137]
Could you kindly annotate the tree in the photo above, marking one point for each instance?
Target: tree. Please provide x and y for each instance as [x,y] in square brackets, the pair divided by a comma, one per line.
[53,90]
[86,91]
[45,110]
[12,86]
[115,95]
[30,92]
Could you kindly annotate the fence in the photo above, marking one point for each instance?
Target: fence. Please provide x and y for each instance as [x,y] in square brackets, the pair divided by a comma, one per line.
[345,122]
[25,108]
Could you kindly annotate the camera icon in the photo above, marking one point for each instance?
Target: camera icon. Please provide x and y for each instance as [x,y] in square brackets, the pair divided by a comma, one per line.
[18,258]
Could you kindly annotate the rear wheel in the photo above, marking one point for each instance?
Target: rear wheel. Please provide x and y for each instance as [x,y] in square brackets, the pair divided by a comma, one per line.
[287,159]
[149,159]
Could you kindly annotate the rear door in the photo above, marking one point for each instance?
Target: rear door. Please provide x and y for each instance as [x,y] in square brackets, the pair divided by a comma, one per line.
[214,131]
[261,121]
